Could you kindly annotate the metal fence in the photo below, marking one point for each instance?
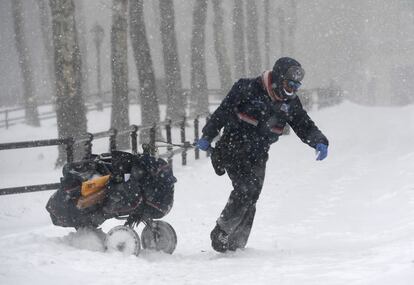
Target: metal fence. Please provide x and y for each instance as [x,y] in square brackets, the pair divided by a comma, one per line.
[172,148]
[12,116]
[317,97]
[15,115]
[320,97]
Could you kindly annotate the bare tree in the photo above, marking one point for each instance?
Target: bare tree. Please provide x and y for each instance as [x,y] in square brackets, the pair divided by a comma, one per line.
[81,27]
[175,95]
[150,113]
[70,107]
[282,30]
[46,29]
[119,65]
[98,33]
[238,39]
[254,58]
[220,48]
[198,61]
[30,102]
[291,24]
[266,11]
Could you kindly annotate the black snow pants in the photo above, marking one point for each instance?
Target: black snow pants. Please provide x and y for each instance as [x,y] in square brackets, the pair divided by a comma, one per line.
[237,217]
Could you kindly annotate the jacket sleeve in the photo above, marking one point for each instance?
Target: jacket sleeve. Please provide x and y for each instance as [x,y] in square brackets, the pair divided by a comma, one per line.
[304,127]
[224,113]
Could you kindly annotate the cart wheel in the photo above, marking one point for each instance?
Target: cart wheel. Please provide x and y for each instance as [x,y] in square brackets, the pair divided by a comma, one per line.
[123,239]
[159,236]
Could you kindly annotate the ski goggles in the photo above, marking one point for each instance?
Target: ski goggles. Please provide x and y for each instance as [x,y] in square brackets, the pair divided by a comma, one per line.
[294,84]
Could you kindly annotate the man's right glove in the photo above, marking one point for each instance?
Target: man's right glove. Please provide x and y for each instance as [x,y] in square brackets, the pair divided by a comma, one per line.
[203,144]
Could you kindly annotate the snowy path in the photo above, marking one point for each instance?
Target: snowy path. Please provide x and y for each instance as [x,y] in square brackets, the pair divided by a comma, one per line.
[346,220]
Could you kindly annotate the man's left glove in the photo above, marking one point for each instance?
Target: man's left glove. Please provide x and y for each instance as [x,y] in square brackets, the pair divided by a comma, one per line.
[321,151]
[203,144]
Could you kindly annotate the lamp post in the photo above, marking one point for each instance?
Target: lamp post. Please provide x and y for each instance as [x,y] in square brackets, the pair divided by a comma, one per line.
[98,33]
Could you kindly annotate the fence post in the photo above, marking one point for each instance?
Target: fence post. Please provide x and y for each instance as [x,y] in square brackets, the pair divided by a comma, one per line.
[207,119]
[112,140]
[152,148]
[69,149]
[184,153]
[88,146]
[169,141]
[6,114]
[196,137]
[134,141]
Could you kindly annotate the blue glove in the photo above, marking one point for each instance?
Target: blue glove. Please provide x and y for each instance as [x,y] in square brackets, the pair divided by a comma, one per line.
[203,144]
[321,151]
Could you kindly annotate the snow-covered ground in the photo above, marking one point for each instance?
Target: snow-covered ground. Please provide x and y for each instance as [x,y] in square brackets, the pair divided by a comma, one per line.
[346,220]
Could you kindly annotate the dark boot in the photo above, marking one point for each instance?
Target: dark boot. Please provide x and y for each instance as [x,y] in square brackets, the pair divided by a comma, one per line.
[219,239]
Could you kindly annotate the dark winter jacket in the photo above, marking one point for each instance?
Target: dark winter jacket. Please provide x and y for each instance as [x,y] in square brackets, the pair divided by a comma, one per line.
[252,122]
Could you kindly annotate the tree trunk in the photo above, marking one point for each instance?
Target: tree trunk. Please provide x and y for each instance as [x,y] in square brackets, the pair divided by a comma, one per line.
[83,32]
[119,66]
[46,29]
[220,49]
[175,97]
[254,58]
[282,30]
[266,5]
[70,108]
[30,102]
[198,62]
[150,113]
[238,39]
[291,25]
[98,36]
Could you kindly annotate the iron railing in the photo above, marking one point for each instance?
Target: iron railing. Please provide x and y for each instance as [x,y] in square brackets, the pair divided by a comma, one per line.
[13,116]
[86,142]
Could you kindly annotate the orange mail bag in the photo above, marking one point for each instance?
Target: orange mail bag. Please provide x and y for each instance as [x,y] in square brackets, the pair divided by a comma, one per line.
[94,185]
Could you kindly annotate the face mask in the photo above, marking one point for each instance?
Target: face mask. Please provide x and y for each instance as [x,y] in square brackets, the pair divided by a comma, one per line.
[287,93]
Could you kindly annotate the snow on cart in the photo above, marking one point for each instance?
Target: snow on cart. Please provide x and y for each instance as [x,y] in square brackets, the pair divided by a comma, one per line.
[134,188]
